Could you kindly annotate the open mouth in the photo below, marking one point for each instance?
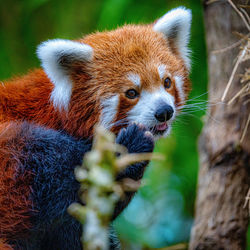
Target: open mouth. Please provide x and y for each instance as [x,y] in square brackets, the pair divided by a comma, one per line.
[160,128]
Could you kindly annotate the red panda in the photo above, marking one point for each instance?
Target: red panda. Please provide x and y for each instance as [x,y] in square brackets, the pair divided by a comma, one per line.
[136,73]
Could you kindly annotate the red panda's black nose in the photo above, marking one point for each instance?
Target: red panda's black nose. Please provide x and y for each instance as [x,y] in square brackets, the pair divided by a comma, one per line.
[164,113]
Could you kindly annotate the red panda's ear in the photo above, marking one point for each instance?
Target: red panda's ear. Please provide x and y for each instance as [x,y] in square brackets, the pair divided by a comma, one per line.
[57,56]
[175,25]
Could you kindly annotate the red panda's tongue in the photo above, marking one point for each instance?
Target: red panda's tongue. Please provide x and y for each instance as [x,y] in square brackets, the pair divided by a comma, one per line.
[162,126]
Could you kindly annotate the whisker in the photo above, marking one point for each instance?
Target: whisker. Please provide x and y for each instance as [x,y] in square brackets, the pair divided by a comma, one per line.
[122,121]
[194,98]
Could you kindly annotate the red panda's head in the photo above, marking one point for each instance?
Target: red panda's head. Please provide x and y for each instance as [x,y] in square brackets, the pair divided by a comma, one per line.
[136,73]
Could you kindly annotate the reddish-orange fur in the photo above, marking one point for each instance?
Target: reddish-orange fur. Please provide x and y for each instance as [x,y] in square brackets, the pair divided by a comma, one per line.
[14,218]
[135,49]
[131,48]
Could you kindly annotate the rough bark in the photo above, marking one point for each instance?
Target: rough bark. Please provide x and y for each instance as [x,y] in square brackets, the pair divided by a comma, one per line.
[221,220]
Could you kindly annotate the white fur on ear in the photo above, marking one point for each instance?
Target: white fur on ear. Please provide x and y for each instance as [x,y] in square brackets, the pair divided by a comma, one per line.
[56,56]
[175,25]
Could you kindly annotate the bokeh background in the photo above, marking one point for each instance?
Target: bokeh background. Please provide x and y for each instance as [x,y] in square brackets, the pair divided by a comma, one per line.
[162,212]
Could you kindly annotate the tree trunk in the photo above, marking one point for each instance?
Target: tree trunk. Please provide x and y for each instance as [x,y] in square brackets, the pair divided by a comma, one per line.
[221,219]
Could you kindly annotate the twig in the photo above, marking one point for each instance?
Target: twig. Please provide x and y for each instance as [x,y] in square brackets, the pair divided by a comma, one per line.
[244,6]
[247,200]
[239,93]
[246,15]
[99,190]
[211,1]
[240,14]
[242,54]
[235,32]
[246,76]
[231,46]
[246,102]
[245,129]
[130,185]
[127,159]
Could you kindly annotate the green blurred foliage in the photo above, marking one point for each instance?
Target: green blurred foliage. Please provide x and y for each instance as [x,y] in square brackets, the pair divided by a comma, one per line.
[162,212]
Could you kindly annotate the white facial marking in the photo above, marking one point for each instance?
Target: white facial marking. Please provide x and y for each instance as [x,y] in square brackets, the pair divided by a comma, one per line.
[144,111]
[135,78]
[162,70]
[179,86]
[109,110]
[175,25]
[51,54]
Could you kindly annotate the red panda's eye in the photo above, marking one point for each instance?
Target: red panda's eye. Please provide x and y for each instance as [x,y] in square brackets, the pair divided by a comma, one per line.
[131,93]
[167,83]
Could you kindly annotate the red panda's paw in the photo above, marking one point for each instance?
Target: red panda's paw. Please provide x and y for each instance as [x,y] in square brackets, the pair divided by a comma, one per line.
[136,138]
